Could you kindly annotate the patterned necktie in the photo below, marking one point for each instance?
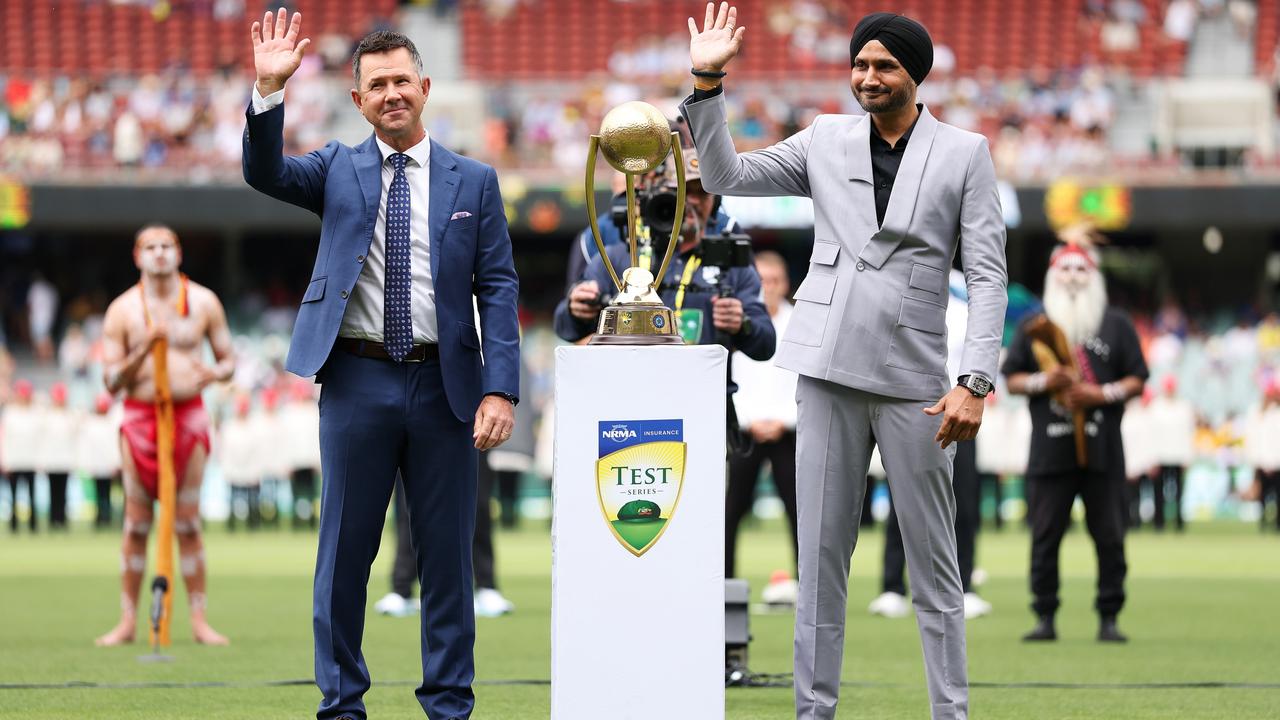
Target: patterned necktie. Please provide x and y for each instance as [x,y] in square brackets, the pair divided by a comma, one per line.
[396,318]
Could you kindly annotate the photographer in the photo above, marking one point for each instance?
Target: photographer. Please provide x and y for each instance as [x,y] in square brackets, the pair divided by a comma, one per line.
[710,283]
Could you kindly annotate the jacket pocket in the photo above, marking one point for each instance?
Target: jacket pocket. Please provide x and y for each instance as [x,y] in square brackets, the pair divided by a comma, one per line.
[813,306]
[315,291]
[919,341]
[463,224]
[926,278]
[825,252]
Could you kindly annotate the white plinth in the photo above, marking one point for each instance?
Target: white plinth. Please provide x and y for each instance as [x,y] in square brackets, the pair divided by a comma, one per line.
[637,604]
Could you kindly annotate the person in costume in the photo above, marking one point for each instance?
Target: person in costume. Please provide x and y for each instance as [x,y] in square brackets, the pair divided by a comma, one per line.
[153,352]
[1079,363]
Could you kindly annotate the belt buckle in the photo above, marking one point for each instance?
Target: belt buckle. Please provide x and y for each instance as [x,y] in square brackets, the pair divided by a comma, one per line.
[409,356]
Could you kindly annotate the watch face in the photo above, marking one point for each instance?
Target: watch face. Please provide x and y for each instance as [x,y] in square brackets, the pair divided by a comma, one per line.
[979,384]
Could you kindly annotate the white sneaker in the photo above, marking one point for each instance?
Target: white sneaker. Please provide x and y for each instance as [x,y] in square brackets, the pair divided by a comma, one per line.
[890,605]
[781,593]
[978,578]
[975,607]
[491,603]
[396,605]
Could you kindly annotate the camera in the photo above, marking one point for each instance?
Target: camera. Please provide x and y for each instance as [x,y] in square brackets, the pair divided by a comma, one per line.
[657,205]
[727,250]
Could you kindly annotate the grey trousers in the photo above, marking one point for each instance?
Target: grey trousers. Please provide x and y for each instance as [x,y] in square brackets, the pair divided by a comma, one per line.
[836,428]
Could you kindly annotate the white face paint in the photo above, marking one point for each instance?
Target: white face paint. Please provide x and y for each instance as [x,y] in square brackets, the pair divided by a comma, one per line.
[1072,273]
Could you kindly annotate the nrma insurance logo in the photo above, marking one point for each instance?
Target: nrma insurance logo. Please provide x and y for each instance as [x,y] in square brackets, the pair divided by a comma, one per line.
[639,477]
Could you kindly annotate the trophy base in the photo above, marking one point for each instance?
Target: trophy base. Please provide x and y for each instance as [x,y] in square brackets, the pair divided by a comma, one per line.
[637,325]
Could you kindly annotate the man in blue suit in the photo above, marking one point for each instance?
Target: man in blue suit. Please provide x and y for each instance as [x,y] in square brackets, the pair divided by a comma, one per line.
[410,234]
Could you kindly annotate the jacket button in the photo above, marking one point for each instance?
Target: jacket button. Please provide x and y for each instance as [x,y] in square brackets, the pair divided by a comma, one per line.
[861,266]
[343,294]
[359,258]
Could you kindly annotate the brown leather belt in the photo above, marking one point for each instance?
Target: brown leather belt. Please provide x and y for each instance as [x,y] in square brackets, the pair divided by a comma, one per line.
[378,351]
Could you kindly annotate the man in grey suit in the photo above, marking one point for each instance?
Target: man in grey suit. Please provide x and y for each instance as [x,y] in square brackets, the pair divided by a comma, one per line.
[895,193]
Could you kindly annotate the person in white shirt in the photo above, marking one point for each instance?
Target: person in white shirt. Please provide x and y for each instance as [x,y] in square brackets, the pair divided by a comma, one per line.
[766,407]
[1262,427]
[57,451]
[240,449]
[98,454]
[300,430]
[892,600]
[19,433]
[1138,434]
[1173,433]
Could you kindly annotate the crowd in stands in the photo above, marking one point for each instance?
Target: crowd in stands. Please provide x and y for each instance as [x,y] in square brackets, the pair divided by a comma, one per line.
[1042,121]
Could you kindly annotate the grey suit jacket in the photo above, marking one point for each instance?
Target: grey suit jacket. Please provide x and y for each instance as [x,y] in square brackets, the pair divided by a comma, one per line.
[871,313]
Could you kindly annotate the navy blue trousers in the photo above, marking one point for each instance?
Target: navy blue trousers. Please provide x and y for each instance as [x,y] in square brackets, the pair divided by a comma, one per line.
[377,417]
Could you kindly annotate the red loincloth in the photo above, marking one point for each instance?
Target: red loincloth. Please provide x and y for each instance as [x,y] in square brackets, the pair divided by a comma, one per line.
[191,426]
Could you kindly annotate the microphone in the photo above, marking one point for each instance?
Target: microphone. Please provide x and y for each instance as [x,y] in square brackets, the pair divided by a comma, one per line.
[159,586]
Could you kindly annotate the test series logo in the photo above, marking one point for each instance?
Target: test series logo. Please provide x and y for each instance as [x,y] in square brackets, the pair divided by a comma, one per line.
[639,476]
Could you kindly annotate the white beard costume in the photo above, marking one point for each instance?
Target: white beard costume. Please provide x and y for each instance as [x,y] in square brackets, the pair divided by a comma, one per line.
[1078,314]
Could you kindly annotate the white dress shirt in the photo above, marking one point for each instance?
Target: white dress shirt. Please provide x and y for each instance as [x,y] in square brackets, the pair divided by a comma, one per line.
[765,391]
[364,315]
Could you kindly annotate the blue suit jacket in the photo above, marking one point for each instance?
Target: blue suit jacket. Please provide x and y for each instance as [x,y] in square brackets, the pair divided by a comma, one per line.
[471,255]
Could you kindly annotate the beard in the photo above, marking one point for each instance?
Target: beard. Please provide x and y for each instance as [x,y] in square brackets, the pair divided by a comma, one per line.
[1079,313]
[892,101]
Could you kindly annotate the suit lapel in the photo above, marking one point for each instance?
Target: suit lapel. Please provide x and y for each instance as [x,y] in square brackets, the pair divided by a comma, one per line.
[906,190]
[444,193]
[368,163]
[857,160]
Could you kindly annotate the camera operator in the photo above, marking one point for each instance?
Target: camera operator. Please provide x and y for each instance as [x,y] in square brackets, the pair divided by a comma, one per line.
[710,284]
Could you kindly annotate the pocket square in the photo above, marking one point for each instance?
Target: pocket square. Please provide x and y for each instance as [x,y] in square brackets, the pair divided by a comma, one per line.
[460,215]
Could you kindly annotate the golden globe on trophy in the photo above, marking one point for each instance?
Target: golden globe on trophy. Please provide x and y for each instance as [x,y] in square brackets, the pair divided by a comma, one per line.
[635,139]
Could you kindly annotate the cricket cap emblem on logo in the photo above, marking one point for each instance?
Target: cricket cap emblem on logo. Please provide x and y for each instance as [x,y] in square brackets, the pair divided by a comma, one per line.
[639,476]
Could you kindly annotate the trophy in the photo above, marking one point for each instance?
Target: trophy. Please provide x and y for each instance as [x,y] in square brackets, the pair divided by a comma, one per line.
[635,139]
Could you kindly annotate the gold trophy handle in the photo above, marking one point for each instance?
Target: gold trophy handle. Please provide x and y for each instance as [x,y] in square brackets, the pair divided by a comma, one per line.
[680,196]
[591,208]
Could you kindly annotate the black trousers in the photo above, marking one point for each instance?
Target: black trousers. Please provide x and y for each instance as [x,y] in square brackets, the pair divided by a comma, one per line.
[1270,482]
[302,485]
[964,480]
[250,498]
[1168,482]
[16,478]
[744,474]
[997,492]
[58,500]
[1049,500]
[404,570]
[102,493]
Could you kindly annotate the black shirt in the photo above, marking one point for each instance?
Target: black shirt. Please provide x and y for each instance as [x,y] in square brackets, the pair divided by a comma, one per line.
[1114,353]
[885,159]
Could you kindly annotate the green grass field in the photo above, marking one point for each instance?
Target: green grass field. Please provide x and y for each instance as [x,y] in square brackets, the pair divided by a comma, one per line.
[1203,608]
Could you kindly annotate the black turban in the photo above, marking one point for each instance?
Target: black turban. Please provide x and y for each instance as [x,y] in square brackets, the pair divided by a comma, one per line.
[905,38]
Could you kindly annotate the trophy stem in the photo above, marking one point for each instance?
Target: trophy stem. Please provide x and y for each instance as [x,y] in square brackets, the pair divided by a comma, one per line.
[592,219]
[680,198]
[631,220]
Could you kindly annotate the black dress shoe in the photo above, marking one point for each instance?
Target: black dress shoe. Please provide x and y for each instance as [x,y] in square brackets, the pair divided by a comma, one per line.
[1108,632]
[1043,631]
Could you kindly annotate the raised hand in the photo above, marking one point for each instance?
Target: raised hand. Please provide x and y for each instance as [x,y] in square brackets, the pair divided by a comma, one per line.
[719,41]
[276,50]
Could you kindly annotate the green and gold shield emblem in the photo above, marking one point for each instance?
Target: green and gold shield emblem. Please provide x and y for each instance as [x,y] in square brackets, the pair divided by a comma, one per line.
[639,486]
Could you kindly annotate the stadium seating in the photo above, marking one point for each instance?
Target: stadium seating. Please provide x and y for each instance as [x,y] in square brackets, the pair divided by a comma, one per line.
[552,39]
[98,37]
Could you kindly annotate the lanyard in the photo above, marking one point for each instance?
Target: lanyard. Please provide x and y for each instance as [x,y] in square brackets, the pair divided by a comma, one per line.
[694,263]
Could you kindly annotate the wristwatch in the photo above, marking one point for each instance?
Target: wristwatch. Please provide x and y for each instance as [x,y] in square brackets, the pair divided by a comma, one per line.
[507,396]
[975,384]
